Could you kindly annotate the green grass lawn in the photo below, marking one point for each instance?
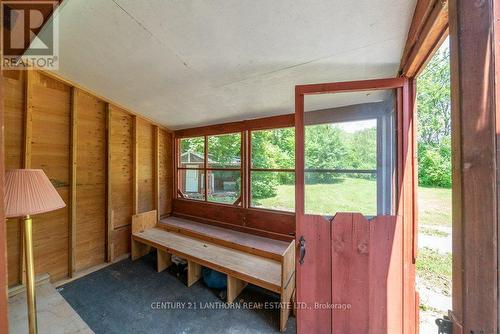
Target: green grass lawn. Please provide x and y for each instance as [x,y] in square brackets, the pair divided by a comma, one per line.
[434,206]
[348,195]
[359,195]
[435,270]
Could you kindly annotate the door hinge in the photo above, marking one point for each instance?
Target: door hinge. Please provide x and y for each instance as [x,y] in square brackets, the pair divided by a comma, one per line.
[445,325]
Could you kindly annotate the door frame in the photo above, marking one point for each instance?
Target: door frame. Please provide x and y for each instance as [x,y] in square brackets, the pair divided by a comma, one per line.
[317,265]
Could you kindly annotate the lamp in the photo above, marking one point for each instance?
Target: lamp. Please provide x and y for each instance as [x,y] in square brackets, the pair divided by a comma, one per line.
[29,192]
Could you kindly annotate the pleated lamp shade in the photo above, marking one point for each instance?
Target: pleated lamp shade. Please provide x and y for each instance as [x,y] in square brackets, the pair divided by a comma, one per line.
[28,192]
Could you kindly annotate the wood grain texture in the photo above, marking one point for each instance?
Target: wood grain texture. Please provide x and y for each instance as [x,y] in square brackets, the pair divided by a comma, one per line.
[121,167]
[194,273]
[266,247]
[41,112]
[272,224]
[50,152]
[4,326]
[145,156]
[143,221]
[282,121]
[13,105]
[475,123]
[251,268]
[90,182]
[427,31]
[234,288]
[366,274]
[165,173]
[314,281]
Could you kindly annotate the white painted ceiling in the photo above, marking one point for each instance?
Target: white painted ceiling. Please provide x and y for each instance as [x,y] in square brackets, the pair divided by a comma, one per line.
[186,63]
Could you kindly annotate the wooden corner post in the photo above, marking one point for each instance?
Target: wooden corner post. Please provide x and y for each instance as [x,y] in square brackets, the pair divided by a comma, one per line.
[475,98]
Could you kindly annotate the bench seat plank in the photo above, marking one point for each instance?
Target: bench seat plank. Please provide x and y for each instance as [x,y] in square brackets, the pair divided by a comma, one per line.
[274,249]
[251,268]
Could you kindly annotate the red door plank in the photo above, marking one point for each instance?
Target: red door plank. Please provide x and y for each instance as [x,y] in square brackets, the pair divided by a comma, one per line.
[314,276]
[386,259]
[350,273]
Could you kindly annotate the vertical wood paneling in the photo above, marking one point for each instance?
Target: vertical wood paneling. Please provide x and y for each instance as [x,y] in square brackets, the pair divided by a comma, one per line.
[90,182]
[72,183]
[350,273]
[156,175]
[367,274]
[50,151]
[4,326]
[121,169]
[13,90]
[98,161]
[109,197]
[165,172]
[145,163]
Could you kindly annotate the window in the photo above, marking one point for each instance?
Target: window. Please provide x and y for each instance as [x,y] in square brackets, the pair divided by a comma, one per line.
[272,170]
[210,168]
[349,157]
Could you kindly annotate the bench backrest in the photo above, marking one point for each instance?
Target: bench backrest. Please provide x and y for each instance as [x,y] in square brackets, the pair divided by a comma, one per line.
[144,221]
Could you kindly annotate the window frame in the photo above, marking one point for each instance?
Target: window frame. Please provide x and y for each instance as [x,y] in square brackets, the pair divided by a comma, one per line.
[276,170]
[243,127]
[206,169]
[385,147]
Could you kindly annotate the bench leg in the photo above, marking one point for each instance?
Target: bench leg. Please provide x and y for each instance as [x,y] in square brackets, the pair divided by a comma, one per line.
[163,260]
[286,303]
[138,249]
[234,288]
[194,273]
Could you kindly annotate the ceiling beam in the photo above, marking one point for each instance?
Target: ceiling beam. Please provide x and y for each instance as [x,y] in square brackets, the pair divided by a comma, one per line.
[429,28]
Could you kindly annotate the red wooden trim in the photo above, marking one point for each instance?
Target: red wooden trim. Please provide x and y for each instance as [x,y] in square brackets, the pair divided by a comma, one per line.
[403,309]
[211,168]
[274,222]
[205,173]
[249,169]
[243,162]
[420,15]
[428,30]
[282,121]
[349,86]
[475,64]
[278,170]
[238,201]
[299,153]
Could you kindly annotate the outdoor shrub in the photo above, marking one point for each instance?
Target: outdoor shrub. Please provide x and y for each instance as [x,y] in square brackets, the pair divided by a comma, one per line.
[434,164]
[264,185]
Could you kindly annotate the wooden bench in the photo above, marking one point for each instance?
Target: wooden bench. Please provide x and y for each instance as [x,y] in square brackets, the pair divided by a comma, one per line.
[243,257]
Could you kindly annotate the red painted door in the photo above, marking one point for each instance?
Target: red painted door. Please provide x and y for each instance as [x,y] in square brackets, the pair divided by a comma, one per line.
[314,233]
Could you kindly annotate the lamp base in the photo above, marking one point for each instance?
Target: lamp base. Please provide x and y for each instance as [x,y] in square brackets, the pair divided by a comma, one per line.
[30,274]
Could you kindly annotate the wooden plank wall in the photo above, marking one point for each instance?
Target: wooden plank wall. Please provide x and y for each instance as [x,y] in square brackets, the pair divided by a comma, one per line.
[90,180]
[14,143]
[146,165]
[120,174]
[49,102]
[165,172]
[85,146]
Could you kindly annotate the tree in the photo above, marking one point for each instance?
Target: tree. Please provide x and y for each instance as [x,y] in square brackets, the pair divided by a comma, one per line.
[433,100]
[434,121]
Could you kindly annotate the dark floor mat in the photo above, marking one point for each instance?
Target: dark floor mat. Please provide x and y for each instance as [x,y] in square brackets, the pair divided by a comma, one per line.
[131,297]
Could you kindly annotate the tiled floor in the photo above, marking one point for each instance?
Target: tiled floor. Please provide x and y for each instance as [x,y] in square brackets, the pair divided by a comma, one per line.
[54,314]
